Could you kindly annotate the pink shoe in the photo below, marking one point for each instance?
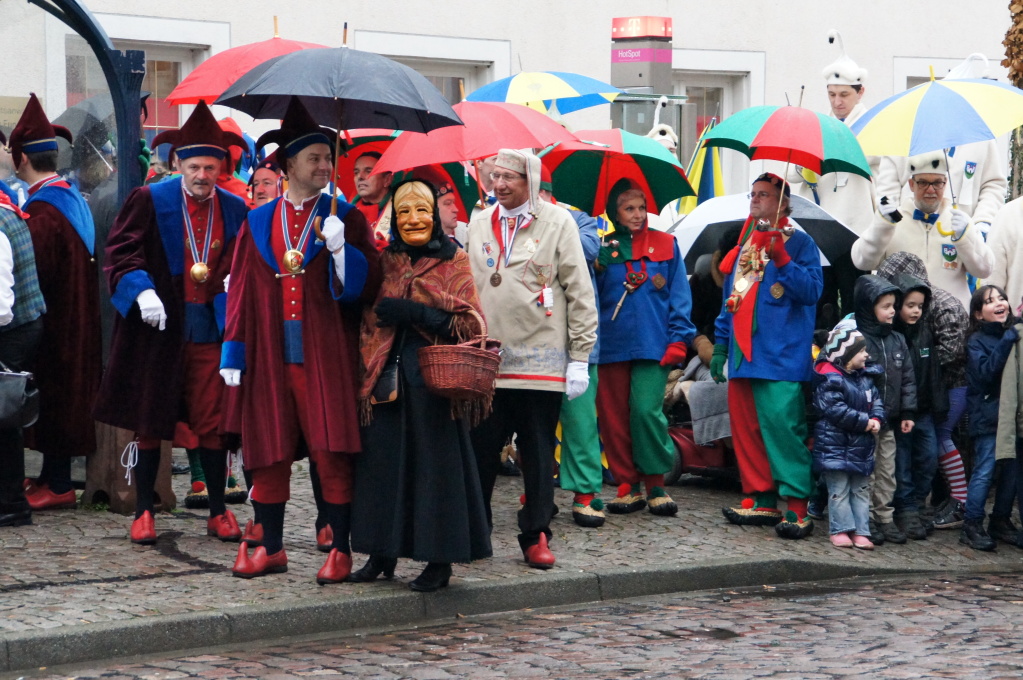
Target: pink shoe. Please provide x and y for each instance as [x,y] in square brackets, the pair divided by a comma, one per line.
[862,543]
[841,541]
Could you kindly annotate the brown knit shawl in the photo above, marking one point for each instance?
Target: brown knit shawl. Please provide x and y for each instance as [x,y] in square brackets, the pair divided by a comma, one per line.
[442,284]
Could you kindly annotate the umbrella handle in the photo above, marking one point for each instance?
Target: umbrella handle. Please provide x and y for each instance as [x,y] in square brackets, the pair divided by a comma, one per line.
[948,172]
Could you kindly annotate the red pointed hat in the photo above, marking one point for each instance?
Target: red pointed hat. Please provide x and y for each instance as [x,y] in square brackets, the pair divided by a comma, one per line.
[201,135]
[34,132]
[298,130]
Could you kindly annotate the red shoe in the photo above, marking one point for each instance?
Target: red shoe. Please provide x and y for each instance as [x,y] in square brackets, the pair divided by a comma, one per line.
[325,539]
[41,498]
[253,534]
[260,564]
[224,527]
[539,556]
[336,569]
[143,529]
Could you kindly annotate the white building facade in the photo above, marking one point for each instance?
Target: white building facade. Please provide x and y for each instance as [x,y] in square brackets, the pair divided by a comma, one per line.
[726,54]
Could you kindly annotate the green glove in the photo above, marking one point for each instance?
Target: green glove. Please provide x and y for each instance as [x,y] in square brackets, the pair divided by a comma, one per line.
[717,363]
[145,157]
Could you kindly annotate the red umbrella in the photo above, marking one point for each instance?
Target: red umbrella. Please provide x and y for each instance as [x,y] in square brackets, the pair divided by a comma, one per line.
[209,80]
[355,143]
[489,127]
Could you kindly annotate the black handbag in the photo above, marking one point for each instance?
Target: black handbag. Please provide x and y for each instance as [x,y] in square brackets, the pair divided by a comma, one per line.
[19,399]
[386,389]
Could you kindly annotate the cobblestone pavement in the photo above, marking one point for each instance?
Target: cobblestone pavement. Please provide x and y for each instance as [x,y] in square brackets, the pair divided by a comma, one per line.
[77,567]
[906,627]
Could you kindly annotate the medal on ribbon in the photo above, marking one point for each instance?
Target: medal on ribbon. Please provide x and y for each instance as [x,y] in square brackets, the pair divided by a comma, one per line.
[294,256]
[200,271]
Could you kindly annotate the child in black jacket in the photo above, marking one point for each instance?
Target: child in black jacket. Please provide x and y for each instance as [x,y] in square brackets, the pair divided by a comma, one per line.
[875,301]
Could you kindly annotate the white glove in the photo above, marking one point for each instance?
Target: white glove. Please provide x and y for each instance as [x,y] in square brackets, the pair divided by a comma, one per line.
[227,280]
[985,228]
[886,208]
[333,233]
[960,221]
[577,379]
[152,309]
[232,376]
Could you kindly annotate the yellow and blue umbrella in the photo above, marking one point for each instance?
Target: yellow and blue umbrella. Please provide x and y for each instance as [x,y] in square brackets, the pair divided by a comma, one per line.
[940,114]
[538,89]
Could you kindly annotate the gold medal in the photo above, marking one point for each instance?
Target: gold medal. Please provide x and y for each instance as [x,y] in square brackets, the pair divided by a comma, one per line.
[200,272]
[495,279]
[741,284]
[777,290]
[293,260]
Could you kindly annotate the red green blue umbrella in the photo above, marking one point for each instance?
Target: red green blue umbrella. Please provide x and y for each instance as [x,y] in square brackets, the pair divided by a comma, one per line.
[538,89]
[584,171]
[940,114]
[794,135]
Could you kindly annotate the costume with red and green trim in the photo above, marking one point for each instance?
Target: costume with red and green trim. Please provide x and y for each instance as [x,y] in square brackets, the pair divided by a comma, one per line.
[765,329]
[643,333]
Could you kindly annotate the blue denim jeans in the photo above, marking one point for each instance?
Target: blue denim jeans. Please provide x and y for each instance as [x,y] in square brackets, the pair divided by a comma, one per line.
[981,478]
[916,462]
[848,502]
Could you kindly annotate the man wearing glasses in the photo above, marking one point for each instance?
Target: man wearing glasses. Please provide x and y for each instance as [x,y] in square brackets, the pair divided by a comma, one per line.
[926,224]
[534,285]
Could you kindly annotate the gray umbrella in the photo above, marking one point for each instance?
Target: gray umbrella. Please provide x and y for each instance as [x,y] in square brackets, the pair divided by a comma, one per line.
[344,89]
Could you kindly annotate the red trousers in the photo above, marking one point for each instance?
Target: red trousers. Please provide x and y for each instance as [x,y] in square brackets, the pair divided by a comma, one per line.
[750,452]
[272,484]
[202,396]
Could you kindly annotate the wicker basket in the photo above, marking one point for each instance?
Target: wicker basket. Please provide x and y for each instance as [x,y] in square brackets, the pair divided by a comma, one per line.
[464,371]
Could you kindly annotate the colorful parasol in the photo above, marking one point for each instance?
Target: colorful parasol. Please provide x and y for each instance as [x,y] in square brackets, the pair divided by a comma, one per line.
[794,135]
[539,89]
[584,171]
[940,114]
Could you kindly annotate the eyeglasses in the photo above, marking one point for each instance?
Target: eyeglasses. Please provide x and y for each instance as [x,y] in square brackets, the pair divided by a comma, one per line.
[762,195]
[937,184]
[506,177]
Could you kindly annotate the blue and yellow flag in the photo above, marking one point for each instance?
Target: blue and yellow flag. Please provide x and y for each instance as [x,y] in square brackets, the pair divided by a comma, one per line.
[704,172]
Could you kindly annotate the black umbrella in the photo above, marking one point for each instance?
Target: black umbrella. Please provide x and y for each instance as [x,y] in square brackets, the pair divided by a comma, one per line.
[701,230]
[344,89]
[91,123]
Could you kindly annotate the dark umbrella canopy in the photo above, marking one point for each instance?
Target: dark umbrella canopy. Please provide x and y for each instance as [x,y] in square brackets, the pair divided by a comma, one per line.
[701,230]
[344,89]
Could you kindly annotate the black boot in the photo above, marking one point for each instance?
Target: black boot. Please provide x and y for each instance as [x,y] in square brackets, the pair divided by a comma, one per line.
[1002,529]
[973,535]
[373,568]
[434,577]
[908,522]
[144,473]
[214,468]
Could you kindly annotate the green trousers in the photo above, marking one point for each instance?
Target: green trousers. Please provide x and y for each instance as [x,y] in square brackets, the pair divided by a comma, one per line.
[581,470]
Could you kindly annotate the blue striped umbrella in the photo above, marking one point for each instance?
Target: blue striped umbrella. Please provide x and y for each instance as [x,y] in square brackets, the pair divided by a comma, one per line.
[538,89]
[940,114]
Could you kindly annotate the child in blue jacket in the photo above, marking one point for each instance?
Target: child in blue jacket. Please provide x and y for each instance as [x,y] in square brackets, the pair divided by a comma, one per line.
[851,414]
[990,340]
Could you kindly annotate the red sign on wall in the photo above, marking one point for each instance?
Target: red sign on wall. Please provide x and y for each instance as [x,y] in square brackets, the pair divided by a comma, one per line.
[640,27]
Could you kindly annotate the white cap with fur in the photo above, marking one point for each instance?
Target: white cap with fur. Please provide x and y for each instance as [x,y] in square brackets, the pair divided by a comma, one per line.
[930,163]
[843,71]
